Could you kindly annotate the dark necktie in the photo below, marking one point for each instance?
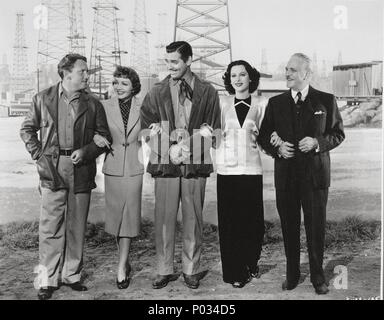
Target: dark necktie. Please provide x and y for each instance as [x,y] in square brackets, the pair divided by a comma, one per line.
[299,102]
[185,91]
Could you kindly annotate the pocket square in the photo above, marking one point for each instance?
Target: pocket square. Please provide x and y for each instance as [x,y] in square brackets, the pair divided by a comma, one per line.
[319,112]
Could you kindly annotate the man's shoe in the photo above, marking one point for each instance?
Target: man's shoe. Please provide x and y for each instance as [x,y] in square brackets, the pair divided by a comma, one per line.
[76,286]
[321,289]
[161,281]
[192,281]
[289,286]
[45,293]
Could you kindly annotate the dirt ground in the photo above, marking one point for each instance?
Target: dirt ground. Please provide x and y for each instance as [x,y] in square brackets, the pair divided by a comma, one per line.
[362,281]
[356,190]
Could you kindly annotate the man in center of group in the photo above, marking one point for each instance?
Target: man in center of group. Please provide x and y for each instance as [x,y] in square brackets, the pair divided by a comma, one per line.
[181,102]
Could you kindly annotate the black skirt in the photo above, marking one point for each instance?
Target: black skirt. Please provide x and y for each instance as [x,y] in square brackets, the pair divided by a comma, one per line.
[241,224]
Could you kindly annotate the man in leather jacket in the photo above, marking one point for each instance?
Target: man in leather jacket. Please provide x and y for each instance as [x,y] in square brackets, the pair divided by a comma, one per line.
[67,117]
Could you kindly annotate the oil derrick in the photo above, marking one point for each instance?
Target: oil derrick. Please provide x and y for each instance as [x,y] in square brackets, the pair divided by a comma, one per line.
[60,32]
[140,48]
[54,35]
[105,50]
[20,82]
[339,59]
[264,61]
[205,25]
[77,39]
[162,43]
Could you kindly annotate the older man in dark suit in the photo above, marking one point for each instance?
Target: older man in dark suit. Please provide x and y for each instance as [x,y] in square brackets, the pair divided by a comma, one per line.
[308,125]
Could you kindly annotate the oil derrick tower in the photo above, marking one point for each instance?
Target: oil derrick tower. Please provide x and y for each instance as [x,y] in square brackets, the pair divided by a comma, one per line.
[205,25]
[140,47]
[105,50]
[20,81]
[264,61]
[61,33]
[77,39]
[162,43]
[339,58]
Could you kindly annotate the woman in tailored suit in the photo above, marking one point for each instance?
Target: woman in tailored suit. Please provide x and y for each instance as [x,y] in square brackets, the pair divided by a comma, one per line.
[122,167]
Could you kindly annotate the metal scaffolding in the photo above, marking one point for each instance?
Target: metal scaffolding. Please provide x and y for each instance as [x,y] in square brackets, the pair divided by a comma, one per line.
[20,81]
[205,25]
[162,42]
[62,33]
[54,36]
[77,38]
[105,50]
[140,47]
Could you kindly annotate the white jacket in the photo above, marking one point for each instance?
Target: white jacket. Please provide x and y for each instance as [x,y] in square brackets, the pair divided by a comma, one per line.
[238,152]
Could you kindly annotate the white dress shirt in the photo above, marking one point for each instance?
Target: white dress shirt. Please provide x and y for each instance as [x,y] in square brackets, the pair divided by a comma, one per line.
[304,93]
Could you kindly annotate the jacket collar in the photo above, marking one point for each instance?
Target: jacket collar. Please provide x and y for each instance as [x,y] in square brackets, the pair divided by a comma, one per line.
[51,102]
[166,98]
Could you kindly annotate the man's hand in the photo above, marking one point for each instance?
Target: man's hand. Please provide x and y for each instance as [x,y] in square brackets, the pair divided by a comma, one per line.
[206,130]
[275,139]
[155,129]
[286,150]
[77,156]
[179,153]
[101,142]
[307,144]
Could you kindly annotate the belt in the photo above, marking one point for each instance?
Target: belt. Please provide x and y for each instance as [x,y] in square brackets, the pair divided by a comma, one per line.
[65,152]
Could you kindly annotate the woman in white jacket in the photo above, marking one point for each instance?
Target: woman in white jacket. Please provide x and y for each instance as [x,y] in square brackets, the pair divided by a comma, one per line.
[239,176]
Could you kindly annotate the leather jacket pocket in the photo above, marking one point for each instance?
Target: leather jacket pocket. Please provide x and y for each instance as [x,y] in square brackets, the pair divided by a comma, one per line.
[45,167]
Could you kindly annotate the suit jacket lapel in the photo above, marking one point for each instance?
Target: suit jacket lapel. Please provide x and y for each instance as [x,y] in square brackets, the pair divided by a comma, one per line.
[198,91]
[309,107]
[165,96]
[134,115]
[112,109]
[286,112]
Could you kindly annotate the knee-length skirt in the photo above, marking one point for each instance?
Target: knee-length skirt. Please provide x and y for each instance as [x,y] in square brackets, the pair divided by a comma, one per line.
[123,205]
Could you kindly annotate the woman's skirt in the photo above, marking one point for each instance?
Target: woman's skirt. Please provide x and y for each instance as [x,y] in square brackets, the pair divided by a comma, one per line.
[123,205]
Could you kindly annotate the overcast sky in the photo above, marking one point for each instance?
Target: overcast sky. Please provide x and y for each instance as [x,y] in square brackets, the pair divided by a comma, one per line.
[281,26]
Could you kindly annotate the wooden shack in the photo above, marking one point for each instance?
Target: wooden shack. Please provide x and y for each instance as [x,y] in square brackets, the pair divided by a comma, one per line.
[358,80]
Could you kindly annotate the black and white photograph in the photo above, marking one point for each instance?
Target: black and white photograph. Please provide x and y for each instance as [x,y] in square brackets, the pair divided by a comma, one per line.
[211,151]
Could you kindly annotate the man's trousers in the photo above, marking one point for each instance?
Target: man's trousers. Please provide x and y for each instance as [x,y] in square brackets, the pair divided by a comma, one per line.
[63,219]
[168,193]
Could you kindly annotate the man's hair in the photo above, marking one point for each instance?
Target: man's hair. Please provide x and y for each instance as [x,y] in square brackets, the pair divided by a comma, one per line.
[306,59]
[68,62]
[254,76]
[182,47]
[131,74]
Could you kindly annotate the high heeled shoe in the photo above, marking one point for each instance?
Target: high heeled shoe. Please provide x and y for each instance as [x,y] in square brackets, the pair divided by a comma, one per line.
[241,284]
[125,283]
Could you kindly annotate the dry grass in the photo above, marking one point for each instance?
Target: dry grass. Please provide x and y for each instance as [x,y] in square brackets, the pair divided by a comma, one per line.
[24,235]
